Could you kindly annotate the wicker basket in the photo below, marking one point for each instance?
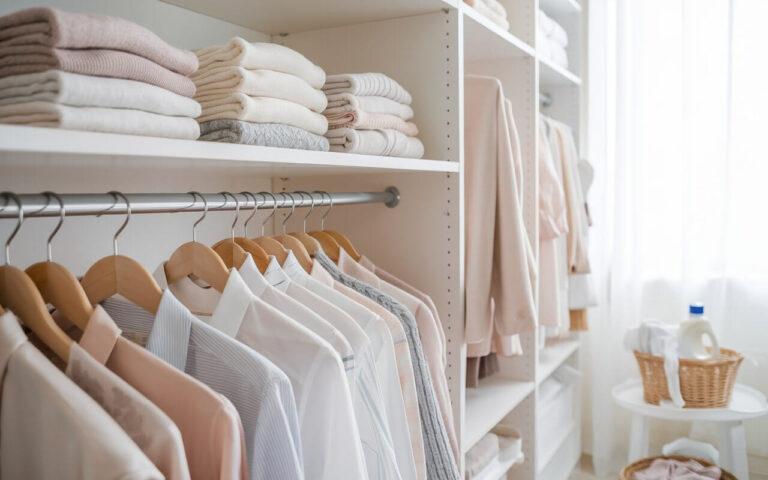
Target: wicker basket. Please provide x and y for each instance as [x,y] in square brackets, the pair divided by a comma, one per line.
[628,472]
[703,383]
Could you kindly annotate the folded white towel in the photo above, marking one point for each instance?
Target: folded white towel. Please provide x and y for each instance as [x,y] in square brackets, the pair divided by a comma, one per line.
[87,91]
[545,23]
[488,12]
[237,106]
[259,83]
[558,55]
[552,30]
[255,56]
[368,84]
[95,119]
[361,120]
[346,102]
[389,143]
[660,340]
[497,7]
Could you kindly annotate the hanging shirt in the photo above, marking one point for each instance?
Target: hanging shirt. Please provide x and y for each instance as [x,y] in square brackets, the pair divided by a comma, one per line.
[50,429]
[429,335]
[260,392]
[329,431]
[402,357]
[378,369]
[441,463]
[152,431]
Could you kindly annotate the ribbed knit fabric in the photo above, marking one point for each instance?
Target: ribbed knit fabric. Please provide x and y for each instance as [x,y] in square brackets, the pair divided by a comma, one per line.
[371,84]
[346,102]
[441,464]
[362,120]
[375,142]
[264,134]
[15,60]
[54,28]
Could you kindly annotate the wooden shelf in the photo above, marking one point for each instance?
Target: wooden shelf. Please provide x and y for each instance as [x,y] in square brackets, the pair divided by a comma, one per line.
[489,403]
[553,74]
[560,7]
[47,146]
[497,469]
[554,355]
[484,40]
[278,16]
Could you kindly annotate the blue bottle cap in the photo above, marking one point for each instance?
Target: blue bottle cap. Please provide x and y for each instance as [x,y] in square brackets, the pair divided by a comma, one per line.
[696,308]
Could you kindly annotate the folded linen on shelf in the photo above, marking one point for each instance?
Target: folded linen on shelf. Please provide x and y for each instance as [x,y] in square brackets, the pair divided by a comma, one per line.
[20,59]
[553,30]
[237,106]
[375,142]
[87,91]
[266,56]
[367,84]
[95,119]
[259,83]
[55,28]
[347,102]
[361,120]
[481,455]
[558,55]
[264,134]
[489,12]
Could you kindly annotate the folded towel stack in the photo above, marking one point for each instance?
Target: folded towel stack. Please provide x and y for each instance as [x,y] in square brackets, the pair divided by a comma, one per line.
[261,94]
[93,72]
[368,114]
[492,10]
[552,40]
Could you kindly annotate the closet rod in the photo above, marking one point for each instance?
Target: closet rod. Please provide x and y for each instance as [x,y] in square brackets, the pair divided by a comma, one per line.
[79,204]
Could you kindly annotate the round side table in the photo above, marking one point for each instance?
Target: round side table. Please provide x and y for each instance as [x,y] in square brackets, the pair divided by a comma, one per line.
[746,403]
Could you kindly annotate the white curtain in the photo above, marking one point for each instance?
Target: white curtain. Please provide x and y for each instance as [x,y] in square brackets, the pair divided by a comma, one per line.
[677,93]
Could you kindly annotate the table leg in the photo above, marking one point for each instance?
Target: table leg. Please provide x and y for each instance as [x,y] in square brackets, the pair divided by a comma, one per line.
[638,438]
[733,449]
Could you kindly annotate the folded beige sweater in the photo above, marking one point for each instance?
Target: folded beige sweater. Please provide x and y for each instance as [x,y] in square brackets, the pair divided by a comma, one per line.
[237,106]
[265,56]
[54,28]
[259,83]
[375,142]
[361,120]
[18,59]
[347,102]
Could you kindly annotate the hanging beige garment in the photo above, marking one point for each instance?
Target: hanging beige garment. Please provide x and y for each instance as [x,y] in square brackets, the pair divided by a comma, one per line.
[498,281]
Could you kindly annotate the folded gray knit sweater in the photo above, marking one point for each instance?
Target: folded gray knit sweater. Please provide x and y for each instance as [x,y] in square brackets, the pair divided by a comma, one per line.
[264,134]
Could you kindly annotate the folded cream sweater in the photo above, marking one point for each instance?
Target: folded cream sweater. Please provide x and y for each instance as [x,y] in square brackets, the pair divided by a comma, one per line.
[361,120]
[375,142]
[347,102]
[368,84]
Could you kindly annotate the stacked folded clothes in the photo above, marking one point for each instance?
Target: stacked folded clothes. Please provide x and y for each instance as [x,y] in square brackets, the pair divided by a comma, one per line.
[552,40]
[93,72]
[492,10]
[261,94]
[369,113]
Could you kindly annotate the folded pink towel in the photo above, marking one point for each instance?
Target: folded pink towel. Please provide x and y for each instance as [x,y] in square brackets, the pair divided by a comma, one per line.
[669,469]
[54,28]
[15,60]
[361,120]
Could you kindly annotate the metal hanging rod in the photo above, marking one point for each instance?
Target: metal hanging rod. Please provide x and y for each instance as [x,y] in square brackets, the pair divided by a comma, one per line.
[84,204]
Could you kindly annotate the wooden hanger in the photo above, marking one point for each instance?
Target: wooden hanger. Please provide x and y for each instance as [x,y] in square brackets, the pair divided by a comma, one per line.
[20,295]
[259,256]
[57,285]
[270,245]
[231,252]
[197,260]
[292,243]
[345,243]
[311,244]
[118,274]
[329,245]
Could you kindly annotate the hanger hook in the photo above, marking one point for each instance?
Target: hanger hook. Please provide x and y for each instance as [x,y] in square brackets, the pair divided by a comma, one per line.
[17,200]
[255,207]
[237,210]
[311,207]
[62,214]
[293,207]
[205,212]
[274,209]
[330,207]
[116,194]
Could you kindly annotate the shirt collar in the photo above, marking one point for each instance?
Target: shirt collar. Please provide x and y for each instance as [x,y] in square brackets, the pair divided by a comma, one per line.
[320,274]
[233,304]
[169,338]
[367,263]
[275,274]
[293,269]
[252,276]
[11,337]
[100,335]
[348,265]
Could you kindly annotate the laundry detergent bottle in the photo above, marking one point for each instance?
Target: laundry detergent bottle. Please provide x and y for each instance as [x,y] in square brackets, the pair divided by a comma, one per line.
[691,336]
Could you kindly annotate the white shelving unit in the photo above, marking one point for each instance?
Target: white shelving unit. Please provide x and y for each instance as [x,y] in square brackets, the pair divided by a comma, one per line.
[426,45]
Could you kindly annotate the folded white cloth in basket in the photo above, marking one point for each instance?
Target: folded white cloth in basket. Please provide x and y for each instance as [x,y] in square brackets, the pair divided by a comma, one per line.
[254,56]
[375,142]
[78,90]
[659,340]
[361,120]
[237,106]
[347,102]
[95,119]
[369,84]
[259,83]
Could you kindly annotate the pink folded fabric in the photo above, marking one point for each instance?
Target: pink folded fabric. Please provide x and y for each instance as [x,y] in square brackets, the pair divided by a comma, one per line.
[361,120]
[669,469]
[54,28]
[15,60]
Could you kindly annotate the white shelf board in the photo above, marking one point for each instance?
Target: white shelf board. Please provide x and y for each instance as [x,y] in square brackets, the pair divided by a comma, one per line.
[563,459]
[280,16]
[548,450]
[553,74]
[51,146]
[489,403]
[554,355]
[560,7]
[484,40]
[498,469]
